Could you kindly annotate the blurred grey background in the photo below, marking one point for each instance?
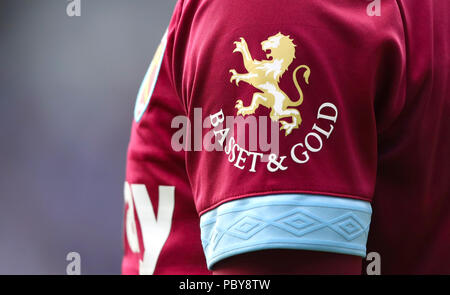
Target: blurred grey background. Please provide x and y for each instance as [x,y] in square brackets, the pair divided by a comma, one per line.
[67,92]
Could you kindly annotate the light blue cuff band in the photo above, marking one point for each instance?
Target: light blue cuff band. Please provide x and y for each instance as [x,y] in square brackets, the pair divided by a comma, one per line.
[286,221]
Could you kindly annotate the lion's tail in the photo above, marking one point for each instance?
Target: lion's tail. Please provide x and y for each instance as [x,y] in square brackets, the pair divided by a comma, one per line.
[306,75]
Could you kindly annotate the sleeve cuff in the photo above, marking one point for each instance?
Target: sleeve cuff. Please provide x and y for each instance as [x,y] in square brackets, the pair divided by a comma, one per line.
[286,221]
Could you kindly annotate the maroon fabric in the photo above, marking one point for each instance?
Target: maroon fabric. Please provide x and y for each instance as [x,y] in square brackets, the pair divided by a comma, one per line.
[411,204]
[289,262]
[152,161]
[386,75]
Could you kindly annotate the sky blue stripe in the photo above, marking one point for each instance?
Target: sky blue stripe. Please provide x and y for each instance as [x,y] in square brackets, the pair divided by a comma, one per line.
[286,221]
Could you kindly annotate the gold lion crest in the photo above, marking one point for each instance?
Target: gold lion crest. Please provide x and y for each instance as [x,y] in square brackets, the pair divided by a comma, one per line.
[265,76]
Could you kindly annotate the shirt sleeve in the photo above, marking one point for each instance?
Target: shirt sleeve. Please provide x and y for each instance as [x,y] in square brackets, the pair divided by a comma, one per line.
[161,232]
[285,101]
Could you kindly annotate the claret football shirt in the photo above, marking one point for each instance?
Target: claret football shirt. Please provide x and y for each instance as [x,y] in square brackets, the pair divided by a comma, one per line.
[304,125]
[162,233]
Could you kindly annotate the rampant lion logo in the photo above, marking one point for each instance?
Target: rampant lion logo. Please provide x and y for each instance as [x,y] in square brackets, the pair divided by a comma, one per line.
[265,76]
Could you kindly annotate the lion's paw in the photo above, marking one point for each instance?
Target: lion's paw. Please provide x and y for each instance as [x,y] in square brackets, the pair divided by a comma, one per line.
[240,45]
[274,118]
[243,110]
[239,104]
[234,77]
[288,127]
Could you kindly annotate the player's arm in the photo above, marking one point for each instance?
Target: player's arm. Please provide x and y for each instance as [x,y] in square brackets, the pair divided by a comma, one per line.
[291,96]
[161,228]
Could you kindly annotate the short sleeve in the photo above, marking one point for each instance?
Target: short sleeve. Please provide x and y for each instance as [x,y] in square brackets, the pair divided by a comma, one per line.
[285,101]
[161,228]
